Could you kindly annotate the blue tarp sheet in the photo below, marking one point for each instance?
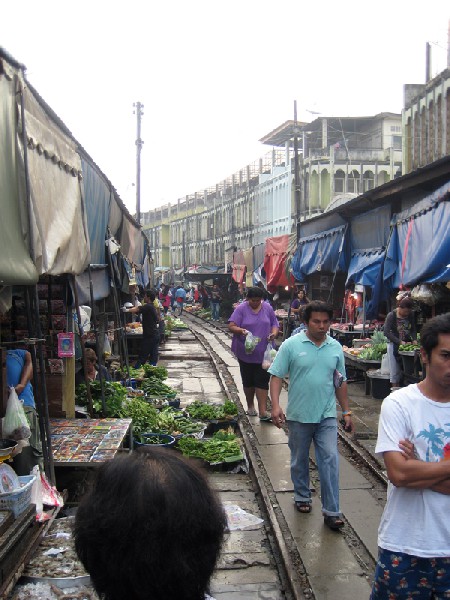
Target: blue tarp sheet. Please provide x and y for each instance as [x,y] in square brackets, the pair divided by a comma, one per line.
[371,229]
[97,201]
[419,248]
[325,251]
[365,266]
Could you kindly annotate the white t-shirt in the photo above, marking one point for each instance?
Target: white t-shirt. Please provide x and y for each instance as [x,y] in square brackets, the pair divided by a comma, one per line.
[415,522]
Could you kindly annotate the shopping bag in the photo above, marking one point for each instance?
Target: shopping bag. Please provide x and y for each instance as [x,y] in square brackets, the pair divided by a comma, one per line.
[269,355]
[384,369]
[15,425]
[251,341]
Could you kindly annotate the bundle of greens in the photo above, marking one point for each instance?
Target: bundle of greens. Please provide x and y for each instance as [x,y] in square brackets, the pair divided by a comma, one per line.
[210,412]
[115,394]
[154,372]
[377,349]
[213,451]
[155,388]
[142,414]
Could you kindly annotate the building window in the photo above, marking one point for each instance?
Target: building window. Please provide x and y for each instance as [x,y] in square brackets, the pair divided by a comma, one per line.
[397,142]
[339,182]
[368,181]
[353,183]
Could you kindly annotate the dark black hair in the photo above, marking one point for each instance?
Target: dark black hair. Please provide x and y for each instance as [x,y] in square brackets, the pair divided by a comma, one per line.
[317,306]
[150,527]
[255,292]
[406,303]
[150,294]
[429,335]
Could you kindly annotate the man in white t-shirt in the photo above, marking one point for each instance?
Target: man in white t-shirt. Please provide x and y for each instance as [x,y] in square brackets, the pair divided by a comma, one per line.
[414,437]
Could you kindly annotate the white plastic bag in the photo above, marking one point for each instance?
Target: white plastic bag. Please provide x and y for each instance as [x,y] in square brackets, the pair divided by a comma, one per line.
[15,424]
[251,341]
[269,355]
[384,369]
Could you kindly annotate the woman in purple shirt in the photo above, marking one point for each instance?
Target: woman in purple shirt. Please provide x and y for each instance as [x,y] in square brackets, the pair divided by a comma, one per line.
[258,318]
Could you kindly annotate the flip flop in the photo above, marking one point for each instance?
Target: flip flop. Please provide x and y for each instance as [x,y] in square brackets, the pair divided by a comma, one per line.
[265,419]
[333,523]
[303,507]
[251,413]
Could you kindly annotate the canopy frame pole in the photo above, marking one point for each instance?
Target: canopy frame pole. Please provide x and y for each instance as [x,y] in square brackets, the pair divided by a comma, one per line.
[97,345]
[339,257]
[83,348]
[119,319]
[41,390]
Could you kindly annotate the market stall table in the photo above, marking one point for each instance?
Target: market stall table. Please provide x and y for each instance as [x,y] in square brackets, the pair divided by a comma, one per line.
[346,337]
[359,364]
[87,442]
[134,341]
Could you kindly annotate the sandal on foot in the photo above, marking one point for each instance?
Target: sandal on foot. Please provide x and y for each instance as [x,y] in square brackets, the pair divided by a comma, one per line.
[303,507]
[333,522]
[251,413]
[265,418]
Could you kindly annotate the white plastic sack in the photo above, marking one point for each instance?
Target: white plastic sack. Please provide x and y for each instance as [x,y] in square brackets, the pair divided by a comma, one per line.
[384,369]
[15,425]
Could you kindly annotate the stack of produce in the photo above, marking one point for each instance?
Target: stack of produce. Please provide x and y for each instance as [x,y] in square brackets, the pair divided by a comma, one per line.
[115,394]
[377,348]
[222,447]
[209,412]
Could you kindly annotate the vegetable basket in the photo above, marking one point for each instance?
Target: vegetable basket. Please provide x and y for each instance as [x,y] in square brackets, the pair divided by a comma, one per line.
[155,439]
[19,500]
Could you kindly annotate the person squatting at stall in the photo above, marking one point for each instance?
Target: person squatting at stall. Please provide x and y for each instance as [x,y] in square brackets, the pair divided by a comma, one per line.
[258,318]
[150,329]
[413,437]
[19,373]
[399,328]
[150,528]
[93,369]
[311,359]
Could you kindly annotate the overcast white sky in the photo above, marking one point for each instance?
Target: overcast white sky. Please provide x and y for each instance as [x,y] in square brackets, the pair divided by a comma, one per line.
[214,76]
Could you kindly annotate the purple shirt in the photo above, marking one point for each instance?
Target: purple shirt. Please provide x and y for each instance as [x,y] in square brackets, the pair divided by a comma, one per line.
[259,324]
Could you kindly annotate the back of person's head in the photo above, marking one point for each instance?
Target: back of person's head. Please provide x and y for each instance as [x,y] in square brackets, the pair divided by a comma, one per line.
[150,294]
[317,306]
[151,528]
[255,292]
[429,335]
[406,303]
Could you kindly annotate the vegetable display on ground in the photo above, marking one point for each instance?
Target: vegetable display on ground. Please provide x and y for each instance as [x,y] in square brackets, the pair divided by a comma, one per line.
[213,451]
[210,412]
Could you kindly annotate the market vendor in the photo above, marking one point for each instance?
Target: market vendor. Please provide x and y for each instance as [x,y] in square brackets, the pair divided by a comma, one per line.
[299,303]
[93,369]
[150,329]
[399,328]
[19,373]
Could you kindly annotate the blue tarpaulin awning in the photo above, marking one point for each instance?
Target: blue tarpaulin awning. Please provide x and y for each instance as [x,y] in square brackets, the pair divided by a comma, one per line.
[365,266]
[419,248]
[324,251]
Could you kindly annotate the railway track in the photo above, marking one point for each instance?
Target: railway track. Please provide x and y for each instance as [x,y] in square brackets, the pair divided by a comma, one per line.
[363,491]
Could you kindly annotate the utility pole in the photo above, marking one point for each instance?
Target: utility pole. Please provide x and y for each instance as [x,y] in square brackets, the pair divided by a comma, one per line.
[296,174]
[139,143]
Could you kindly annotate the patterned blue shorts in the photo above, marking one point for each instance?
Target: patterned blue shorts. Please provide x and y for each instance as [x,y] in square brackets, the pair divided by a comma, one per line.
[401,576]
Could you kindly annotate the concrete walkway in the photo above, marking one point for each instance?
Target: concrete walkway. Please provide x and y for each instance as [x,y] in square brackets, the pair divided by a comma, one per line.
[332,568]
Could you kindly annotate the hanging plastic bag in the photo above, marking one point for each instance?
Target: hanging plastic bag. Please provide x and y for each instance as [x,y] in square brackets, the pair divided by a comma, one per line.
[106,347]
[251,341]
[269,355]
[15,424]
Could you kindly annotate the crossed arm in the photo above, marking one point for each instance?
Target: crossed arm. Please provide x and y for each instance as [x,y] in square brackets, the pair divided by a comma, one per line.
[405,470]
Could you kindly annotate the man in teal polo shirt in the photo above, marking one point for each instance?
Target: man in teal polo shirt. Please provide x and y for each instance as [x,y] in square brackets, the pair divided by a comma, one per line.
[313,360]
